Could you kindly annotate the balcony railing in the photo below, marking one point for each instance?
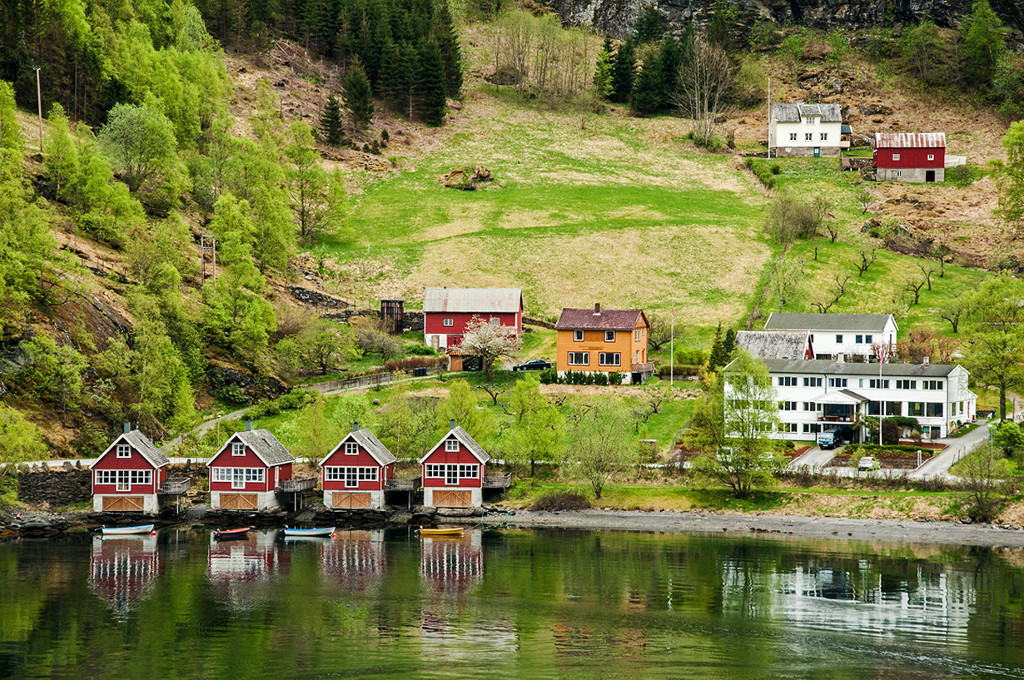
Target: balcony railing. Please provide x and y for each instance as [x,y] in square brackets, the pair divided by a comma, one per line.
[642,368]
[498,481]
[175,487]
[296,485]
[403,484]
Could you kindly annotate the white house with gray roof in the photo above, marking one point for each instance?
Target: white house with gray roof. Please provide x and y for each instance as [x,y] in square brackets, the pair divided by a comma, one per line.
[848,335]
[805,130]
[816,395]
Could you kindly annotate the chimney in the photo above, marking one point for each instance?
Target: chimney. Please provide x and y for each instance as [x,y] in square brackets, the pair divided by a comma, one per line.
[926,361]
[355,426]
[451,424]
[127,427]
[248,426]
[597,308]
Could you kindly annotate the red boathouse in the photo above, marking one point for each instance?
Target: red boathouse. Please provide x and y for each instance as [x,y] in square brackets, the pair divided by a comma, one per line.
[354,474]
[127,476]
[454,471]
[910,156]
[248,470]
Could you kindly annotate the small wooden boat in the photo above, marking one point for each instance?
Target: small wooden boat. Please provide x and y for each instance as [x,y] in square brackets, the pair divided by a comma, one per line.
[318,532]
[128,531]
[231,534]
[452,531]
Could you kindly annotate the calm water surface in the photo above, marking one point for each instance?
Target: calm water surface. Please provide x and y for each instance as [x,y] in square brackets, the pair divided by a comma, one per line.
[508,604]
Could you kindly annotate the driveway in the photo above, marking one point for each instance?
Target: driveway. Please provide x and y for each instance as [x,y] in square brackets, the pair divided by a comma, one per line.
[814,458]
[956,448]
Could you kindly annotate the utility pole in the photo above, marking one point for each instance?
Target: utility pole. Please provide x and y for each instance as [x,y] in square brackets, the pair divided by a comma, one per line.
[39,100]
[672,350]
[769,118]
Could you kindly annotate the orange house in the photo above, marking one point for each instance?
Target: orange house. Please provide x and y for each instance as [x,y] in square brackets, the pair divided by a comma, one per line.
[608,341]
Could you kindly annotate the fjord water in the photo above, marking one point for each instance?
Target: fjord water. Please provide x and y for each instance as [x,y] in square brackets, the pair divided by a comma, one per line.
[506,604]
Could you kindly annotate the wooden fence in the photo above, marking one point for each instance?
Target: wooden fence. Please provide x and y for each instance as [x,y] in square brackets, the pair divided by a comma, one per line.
[373,380]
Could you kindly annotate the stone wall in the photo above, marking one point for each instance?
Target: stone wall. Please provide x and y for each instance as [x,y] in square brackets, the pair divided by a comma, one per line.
[56,487]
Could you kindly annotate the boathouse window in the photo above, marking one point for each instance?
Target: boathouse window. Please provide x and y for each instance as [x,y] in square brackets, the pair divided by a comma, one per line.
[469,471]
[334,474]
[367,474]
[351,448]
[451,446]
[124,451]
[106,476]
[253,475]
[435,471]
[141,476]
[238,449]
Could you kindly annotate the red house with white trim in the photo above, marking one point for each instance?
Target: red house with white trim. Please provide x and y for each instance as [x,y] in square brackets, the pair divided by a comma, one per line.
[248,469]
[454,471]
[447,311]
[910,156]
[127,476]
[354,474]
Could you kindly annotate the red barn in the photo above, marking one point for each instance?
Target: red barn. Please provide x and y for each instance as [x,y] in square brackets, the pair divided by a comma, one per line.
[248,469]
[127,476]
[910,156]
[355,473]
[446,311]
[454,471]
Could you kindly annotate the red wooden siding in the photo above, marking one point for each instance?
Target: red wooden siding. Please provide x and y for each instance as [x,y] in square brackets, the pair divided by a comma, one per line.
[135,462]
[460,457]
[271,475]
[910,158]
[433,322]
[362,459]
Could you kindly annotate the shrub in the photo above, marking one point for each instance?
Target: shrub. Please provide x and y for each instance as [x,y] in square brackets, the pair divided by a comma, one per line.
[763,171]
[422,351]
[963,175]
[295,399]
[409,363]
[789,218]
[691,356]
[750,85]
[561,500]
[888,450]
[615,378]
[548,377]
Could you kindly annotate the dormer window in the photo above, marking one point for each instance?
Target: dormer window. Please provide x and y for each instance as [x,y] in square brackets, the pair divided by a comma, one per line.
[451,445]
[811,120]
[609,336]
[238,449]
[124,451]
[351,448]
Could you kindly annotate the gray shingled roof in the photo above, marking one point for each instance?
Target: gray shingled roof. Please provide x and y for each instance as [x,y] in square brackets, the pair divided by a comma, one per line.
[826,322]
[793,113]
[373,446]
[605,320]
[466,440]
[266,446]
[774,344]
[828,367]
[144,446]
[470,300]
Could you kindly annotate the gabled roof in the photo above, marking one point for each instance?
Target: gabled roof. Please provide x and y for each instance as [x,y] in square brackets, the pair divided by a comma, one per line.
[600,319]
[371,444]
[829,367]
[827,322]
[910,140]
[143,445]
[467,441]
[264,445]
[794,113]
[774,344]
[470,300]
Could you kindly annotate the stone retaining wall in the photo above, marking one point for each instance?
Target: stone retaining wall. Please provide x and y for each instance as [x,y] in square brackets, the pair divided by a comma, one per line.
[56,487]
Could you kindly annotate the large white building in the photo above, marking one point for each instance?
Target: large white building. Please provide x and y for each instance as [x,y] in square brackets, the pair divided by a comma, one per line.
[817,395]
[832,335]
[805,130]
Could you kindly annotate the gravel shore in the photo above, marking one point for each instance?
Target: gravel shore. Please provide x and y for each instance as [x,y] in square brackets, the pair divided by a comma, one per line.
[776,526]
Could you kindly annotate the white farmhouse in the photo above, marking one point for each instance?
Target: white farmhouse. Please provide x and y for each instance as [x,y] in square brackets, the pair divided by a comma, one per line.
[833,335]
[819,395]
[805,130]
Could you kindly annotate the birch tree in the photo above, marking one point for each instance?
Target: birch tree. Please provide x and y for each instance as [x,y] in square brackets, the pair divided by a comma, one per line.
[705,79]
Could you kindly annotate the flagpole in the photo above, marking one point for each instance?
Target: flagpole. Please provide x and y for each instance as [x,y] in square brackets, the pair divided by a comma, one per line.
[881,402]
[672,351]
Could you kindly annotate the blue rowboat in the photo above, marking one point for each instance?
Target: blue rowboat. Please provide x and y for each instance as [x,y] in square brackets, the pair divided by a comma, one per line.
[128,531]
[320,532]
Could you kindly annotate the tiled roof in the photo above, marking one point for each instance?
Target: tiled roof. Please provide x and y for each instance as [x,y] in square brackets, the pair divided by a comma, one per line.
[829,367]
[774,344]
[266,446]
[794,113]
[826,322]
[469,300]
[365,438]
[603,320]
[467,441]
[910,140]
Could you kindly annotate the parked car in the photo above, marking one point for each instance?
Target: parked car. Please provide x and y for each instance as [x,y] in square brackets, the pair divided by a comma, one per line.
[533,365]
[868,463]
[838,436]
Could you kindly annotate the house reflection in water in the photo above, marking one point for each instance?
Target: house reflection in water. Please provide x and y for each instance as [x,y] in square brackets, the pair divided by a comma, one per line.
[240,569]
[452,564]
[122,569]
[355,560]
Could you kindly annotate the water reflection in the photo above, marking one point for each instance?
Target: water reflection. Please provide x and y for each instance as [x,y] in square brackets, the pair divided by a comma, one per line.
[122,569]
[355,560]
[452,564]
[239,569]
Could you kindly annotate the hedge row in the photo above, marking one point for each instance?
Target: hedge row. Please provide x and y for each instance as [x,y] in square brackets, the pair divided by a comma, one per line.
[551,377]
[889,450]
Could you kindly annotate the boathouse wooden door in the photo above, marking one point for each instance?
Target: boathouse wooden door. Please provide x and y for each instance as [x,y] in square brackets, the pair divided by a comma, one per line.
[347,500]
[238,501]
[446,498]
[122,504]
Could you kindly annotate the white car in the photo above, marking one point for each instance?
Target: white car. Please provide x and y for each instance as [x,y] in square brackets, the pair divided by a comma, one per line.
[868,463]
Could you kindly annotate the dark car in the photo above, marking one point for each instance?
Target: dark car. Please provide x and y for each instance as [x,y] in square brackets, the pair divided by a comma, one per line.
[533,365]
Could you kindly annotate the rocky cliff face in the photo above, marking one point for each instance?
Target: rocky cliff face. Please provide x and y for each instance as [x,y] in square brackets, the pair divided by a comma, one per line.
[616,17]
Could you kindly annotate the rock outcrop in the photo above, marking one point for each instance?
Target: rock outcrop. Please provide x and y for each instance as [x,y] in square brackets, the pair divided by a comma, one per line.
[616,17]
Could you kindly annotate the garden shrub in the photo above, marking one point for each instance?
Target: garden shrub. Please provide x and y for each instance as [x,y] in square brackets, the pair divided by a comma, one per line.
[561,500]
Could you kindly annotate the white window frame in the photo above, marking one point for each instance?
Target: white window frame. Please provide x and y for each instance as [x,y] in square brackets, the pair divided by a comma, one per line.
[574,356]
[367,474]
[124,480]
[931,156]
[451,445]
[451,475]
[124,451]
[495,321]
[577,336]
[254,475]
[434,471]
[808,136]
[351,477]
[824,137]
[609,336]
[792,136]
[334,473]
[448,323]
[237,478]
[106,477]
[237,449]
[638,335]
[221,474]
[895,156]
[351,449]
[602,359]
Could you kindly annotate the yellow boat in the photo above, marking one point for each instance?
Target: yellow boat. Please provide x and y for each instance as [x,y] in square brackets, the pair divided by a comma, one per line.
[455,531]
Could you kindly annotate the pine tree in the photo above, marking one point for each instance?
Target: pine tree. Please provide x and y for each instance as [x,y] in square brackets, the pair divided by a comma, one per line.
[716,357]
[603,70]
[670,57]
[983,44]
[649,25]
[407,76]
[330,121]
[721,24]
[358,96]
[646,96]
[728,345]
[623,73]
[430,84]
[451,53]
[390,77]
